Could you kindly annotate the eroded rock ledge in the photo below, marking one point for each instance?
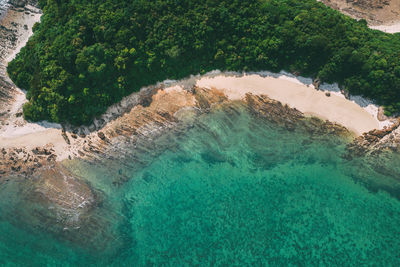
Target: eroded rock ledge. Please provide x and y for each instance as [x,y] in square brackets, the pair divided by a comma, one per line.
[377,140]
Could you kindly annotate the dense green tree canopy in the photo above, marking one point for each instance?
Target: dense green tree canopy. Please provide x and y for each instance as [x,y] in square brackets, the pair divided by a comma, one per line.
[88,54]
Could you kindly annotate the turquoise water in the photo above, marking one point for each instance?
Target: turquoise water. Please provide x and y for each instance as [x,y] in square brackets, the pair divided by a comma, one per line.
[228,189]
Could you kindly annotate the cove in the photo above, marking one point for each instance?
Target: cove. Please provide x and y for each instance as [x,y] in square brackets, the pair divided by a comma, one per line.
[227,188]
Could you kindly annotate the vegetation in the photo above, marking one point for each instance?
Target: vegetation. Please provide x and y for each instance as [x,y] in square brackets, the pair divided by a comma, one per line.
[88,54]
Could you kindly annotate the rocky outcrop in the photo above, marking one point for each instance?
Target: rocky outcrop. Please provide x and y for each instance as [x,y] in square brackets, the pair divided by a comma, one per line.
[23,3]
[58,202]
[290,118]
[381,114]
[317,83]
[375,140]
[273,110]
[374,11]
[21,162]
[14,29]
[65,205]
[132,136]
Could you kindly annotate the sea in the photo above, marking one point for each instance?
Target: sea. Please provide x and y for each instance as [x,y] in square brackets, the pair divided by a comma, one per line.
[229,188]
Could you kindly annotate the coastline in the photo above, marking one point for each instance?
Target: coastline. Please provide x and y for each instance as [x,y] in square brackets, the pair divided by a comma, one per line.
[357,114]
[296,92]
[39,153]
[22,19]
[73,183]
[15,29]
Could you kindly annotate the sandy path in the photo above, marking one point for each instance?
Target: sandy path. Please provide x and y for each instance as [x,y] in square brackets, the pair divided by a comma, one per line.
[299,96]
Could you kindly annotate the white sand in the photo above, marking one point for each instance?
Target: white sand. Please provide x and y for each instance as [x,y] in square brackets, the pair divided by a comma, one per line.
[36,139]
[392,28]
[296,95]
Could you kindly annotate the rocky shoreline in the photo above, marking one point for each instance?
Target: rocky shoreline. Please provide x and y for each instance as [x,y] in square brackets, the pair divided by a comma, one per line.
[156,110]
[88,141]
[15,28]
[134,122]
[162,111]
[375,12]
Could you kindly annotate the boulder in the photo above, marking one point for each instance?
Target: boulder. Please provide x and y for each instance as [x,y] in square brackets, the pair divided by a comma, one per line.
[317,83]
[18,3]
[101,135]
[381,114]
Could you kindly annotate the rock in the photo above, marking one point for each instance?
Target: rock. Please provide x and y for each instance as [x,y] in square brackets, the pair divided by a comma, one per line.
[74,136]
[37,165]
[101,135]
[64,135]
[381,114]
[345,93]
[41,151]
[16,168]
[18,3]
[52,157]
[296,73]
[328,94]
[317,83]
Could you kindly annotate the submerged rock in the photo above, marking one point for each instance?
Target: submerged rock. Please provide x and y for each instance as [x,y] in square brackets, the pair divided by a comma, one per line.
[58,202]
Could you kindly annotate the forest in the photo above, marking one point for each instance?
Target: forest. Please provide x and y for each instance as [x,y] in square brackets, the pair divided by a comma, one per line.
[87,54]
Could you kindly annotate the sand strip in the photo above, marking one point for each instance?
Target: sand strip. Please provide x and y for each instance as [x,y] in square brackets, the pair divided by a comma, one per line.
[390,28]
[296,95]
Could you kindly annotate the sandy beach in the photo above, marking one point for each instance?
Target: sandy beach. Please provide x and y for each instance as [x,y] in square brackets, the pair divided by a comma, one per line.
[296,95]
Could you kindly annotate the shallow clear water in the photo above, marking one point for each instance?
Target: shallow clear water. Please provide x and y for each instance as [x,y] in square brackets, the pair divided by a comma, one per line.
[232,189]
